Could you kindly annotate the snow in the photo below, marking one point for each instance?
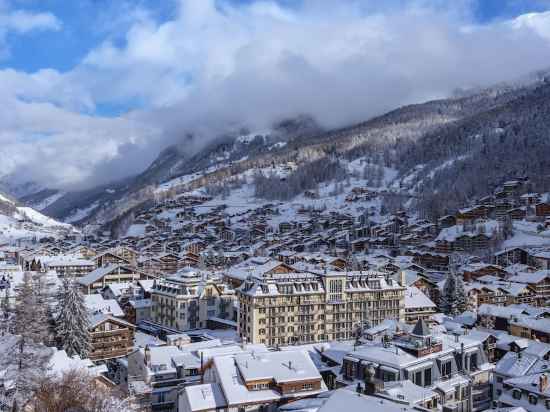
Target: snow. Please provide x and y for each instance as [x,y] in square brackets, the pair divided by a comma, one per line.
[247,138]
[136,230]
[242,200]
[96,303]
[525,234]
[277,145]
[208,396]
[61,363]
[33,227]
[39,218]
[445,165]
[44,203]
[451,233]
[414,298]
[5,199]
[80,214]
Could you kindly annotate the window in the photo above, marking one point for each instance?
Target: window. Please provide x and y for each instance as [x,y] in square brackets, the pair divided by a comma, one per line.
[516,394]
[533,399]
[427,377]
[307,386]
[473,362]
[418,378]
[388,376]
[446,369]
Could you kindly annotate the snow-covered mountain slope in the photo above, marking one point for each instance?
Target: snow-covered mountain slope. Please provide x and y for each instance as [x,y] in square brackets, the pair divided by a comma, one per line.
[22,223]
[470,143]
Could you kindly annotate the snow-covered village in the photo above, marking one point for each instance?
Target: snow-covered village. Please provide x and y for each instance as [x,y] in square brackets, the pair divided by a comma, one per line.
[274,206]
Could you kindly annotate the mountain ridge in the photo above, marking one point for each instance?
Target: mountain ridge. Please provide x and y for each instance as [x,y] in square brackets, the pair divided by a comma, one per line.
[399,137]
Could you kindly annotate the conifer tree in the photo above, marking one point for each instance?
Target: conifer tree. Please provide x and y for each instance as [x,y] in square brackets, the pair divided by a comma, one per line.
[73,322]
[30,320]
[454,300]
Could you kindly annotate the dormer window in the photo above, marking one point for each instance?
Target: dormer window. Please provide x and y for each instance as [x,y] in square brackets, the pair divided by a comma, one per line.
[516,394]
[533,399]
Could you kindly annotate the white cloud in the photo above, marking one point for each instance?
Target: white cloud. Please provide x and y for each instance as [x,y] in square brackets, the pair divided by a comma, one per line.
[538,22]
[214,64]
[22,21]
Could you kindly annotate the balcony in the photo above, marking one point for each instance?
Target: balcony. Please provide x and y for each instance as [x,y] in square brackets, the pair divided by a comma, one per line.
[124,333]
[109,354]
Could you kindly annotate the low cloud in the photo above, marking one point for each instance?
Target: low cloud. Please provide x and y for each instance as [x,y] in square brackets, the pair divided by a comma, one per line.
[214,64]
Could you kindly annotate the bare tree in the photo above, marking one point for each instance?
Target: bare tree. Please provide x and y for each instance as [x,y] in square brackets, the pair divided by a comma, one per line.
[77,390]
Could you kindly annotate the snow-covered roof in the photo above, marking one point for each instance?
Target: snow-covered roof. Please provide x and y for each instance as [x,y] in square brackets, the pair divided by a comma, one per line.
[408,391]
[97,304]
[534,277]
[414,298]
[279,366]
[499,311]
[350,401]
[208,396]
[542,325]
[512,365]
[97,274]
[64,260]
[98,318]
[255,267]
[60,362]
[233,386]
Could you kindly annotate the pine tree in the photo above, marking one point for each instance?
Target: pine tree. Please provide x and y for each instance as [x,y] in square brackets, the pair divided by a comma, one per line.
[448,295]
[454,300]
[30,318]
[73,323]
[45,299]
[461,297]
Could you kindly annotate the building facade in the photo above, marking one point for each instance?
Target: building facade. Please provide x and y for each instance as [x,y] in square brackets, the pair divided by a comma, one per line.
[304,308]
[187,301]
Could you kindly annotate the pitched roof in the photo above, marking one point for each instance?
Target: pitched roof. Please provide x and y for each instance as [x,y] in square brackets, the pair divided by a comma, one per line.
[421,328]
[415,298]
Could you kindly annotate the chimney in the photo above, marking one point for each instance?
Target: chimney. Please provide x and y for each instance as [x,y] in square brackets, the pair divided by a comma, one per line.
[402,278]
[543,382]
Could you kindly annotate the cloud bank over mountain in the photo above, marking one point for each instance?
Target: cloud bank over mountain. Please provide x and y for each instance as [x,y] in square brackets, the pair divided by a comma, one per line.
[208,65]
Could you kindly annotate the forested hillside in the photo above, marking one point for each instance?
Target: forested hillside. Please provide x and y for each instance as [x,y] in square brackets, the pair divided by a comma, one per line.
[470,144]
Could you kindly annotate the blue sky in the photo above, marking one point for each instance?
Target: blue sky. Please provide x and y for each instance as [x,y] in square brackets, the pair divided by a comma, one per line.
[94,89]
